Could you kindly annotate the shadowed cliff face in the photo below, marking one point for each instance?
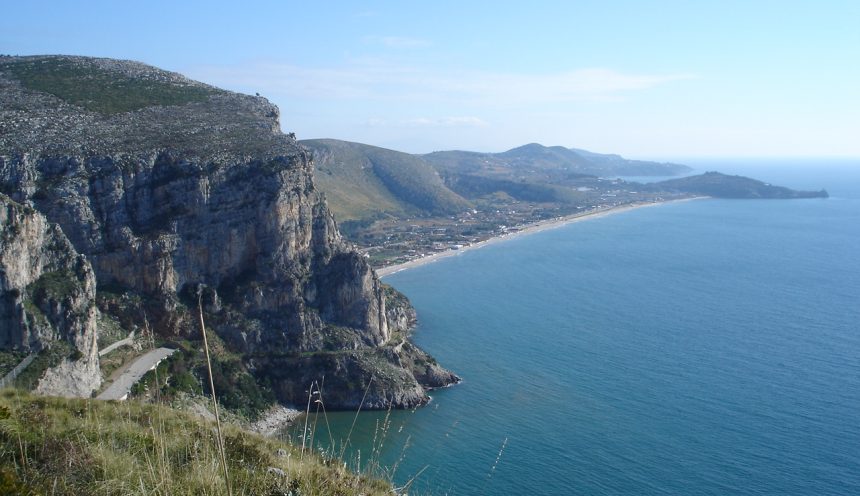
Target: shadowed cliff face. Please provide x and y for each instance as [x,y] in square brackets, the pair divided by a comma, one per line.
[204,197]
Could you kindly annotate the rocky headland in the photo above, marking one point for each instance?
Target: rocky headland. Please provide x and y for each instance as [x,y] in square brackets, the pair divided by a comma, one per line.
[167,192]
[718,185]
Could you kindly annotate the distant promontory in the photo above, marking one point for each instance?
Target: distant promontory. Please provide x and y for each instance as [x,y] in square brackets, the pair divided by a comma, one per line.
[720,185]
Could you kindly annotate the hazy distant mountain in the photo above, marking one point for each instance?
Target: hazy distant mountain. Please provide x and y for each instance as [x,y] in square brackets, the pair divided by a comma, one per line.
[537,157]
[362,181]
[626,167]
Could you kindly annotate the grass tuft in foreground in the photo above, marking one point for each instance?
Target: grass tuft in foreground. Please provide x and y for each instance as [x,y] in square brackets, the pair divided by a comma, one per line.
[60,446]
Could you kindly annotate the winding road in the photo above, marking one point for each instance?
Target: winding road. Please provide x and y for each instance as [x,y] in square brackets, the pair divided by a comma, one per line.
[128,340]
[122,385]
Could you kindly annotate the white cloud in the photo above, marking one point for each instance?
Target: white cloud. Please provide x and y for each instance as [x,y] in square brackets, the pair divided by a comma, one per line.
[380,81]
[453,121]
[458,121]
[399,42]
[375,122]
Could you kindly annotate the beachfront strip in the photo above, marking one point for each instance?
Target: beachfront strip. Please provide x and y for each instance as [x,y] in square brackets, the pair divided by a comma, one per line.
[512,232]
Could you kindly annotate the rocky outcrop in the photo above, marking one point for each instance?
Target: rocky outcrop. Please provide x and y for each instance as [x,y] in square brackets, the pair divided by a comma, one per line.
[195,196]
[47,298]
[399,312]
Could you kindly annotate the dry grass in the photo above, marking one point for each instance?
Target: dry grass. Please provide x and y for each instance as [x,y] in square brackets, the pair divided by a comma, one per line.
[59,446]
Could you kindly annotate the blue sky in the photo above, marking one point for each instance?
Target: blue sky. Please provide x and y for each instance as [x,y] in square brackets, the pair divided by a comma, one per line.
[658,79]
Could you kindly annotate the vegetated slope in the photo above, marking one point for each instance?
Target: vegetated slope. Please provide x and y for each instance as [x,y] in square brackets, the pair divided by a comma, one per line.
[73,447]
[177,192]
[721,185]
[474,186]
[362,181]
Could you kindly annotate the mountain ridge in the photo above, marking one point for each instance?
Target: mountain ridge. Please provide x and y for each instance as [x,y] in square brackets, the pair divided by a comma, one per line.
[365,182]
[554,157]
[524,185]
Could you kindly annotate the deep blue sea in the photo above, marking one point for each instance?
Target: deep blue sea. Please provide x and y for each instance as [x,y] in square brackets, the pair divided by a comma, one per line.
[710,347]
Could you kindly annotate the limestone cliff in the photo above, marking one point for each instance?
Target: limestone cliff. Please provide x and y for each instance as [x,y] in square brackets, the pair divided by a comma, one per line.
[172,188]
[47,299]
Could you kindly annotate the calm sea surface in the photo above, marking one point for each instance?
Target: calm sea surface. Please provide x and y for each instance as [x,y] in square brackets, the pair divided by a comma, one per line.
[706,347]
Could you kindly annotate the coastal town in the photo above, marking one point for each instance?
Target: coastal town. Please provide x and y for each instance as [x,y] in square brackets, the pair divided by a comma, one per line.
[392,242]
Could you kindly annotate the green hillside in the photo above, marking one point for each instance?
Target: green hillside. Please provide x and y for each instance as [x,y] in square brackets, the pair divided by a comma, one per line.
[365,182]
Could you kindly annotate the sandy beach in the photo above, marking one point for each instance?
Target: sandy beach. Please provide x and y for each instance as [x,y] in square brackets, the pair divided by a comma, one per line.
[523,231]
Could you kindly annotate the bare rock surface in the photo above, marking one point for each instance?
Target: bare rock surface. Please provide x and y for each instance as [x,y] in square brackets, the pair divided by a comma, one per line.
[47,299]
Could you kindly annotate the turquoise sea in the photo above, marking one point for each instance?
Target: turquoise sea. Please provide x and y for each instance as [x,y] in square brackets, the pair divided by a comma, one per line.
[710,347]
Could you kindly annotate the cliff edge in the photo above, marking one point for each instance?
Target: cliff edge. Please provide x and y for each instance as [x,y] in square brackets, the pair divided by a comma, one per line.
[174,190]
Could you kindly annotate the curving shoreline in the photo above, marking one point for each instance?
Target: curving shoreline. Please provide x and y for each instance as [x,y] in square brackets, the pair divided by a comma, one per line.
[525,230]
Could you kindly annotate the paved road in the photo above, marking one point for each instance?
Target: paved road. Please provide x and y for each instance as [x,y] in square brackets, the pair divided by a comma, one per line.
[122,385]
[13,374]
[122,342]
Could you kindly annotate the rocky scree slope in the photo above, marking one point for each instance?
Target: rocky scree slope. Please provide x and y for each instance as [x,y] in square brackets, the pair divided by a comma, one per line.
[175,190]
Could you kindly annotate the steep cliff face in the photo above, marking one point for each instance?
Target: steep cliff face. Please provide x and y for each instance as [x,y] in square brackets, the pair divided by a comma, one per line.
[255,233]
[47,298]
[188,190]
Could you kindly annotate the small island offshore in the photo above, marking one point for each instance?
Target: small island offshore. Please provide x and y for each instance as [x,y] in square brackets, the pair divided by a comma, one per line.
[136,203]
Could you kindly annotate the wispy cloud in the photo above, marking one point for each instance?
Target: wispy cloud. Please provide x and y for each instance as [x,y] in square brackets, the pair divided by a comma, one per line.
[453,121]
[366,13]
[400,42]
[380,81]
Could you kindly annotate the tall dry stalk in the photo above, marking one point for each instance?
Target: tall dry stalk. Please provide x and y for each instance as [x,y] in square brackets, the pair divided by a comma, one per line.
[157,434]
[307,414]
[355,419]
[212,390]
